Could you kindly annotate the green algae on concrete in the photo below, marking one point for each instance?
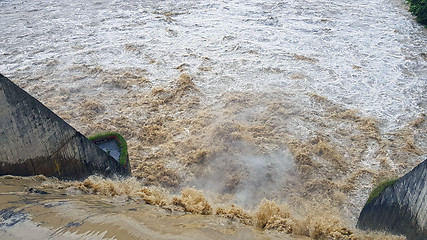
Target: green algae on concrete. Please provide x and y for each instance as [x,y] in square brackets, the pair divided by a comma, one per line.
[380,188]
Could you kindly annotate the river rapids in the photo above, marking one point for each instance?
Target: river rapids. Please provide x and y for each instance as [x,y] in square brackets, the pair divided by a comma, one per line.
[244,119]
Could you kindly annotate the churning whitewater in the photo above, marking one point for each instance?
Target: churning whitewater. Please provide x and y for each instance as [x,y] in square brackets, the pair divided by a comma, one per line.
[244,119]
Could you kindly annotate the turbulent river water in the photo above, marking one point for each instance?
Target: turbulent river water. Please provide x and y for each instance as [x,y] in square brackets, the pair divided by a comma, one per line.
[244,119]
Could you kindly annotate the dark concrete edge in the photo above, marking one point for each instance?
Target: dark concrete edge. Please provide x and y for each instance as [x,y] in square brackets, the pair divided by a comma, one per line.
[34,166]
[393,210]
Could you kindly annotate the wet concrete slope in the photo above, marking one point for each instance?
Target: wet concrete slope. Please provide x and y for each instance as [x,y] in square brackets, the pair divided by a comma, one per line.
[34,140]
[401,208]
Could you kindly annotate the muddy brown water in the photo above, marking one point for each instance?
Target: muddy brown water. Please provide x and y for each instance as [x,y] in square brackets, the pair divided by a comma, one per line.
[244,120]
[28,212]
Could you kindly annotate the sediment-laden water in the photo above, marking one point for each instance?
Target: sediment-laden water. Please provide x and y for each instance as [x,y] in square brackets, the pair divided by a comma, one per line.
[250,120]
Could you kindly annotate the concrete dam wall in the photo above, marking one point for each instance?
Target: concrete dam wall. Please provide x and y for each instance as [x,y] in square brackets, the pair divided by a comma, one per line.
[401,208]
[34,140]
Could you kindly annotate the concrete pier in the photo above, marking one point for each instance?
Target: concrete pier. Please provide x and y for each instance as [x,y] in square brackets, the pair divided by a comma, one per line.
[34,140]
[401,208]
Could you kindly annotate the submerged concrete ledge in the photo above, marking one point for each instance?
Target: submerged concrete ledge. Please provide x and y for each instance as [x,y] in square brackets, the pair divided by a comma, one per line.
[34,140]
[401,208]
[114,144]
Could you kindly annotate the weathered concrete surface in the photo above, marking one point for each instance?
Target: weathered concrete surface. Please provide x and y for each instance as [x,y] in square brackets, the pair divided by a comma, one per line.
[401,208]
[34,140]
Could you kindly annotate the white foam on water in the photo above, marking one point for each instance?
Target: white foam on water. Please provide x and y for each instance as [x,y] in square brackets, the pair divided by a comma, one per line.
[366,55]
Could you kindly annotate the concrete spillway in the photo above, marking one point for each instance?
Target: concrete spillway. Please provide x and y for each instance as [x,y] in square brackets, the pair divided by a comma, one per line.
[401,208]
[34,140]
